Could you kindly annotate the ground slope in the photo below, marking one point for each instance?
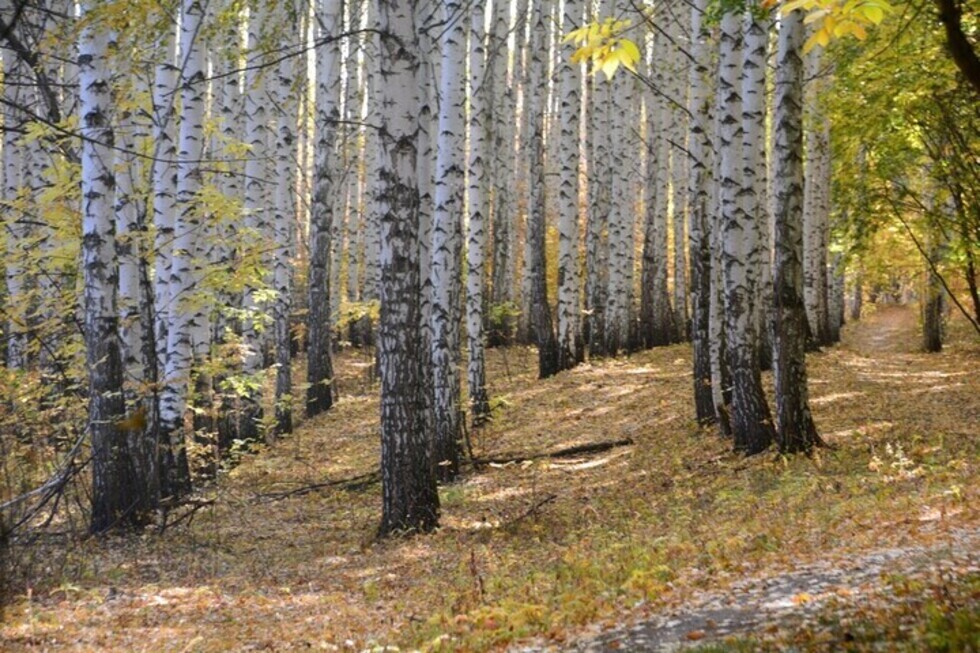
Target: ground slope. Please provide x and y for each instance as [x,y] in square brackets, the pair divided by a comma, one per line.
[543,553]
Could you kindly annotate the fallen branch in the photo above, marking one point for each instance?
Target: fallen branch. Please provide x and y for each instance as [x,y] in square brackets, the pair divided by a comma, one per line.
[352,484]
[594,447]
[368,479]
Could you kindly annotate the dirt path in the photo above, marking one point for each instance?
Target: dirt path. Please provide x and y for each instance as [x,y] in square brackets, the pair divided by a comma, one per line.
[881,350]
[889,330]
[789,601]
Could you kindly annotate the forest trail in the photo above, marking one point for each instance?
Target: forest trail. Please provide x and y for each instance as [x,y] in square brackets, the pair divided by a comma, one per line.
[547,554]
[839,590]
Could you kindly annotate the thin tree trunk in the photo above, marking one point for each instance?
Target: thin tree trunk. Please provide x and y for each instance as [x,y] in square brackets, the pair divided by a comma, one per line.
[480,100]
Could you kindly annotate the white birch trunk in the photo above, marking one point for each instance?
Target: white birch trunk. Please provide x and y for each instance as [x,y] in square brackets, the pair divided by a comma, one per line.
[188,334]
[445,226]
[410,500]
[16,230]
[319,395]
[114,485]
[753,197]
[283,221]
[698,211]
[796,430]
[257,175]
[750,421]
[504,209]
[569,301]
[478,205]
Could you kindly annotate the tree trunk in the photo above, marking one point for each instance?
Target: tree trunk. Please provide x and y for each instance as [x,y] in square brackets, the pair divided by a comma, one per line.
[284,218]
[504,210]
[596,235]
[657,326]
[319,369]
[410,499]
[749,416]
[256,223]
[753,197]
[698,221]
[189,329]
[477,235]
[540,311]
[114,483]
[569,301]
[796,430]
[932,306]
[445,224]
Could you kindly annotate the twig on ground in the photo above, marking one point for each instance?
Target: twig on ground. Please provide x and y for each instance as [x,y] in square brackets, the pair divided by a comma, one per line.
[594,447]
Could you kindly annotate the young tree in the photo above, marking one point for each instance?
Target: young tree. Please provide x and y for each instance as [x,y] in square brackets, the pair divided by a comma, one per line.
[410,499]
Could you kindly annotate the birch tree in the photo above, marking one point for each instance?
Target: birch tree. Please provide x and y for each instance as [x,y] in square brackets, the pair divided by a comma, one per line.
[796,430]
[698,211]
[477,205]
[540,312]
[283,221]
[319,369]
[504,114]
[816,192]
[410,500]
[569,301]
[751,423]
[656,318]
[445,227]
[188,332]
[114,484]
[256,222]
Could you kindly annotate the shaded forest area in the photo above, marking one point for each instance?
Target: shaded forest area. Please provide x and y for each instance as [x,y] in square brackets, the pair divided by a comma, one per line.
[457,325]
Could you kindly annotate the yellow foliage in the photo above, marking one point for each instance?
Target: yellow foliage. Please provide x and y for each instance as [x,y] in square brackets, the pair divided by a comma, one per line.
[833,19]
[603,46]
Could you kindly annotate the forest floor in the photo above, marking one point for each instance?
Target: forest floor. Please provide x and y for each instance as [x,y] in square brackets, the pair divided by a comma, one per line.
[873,540]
